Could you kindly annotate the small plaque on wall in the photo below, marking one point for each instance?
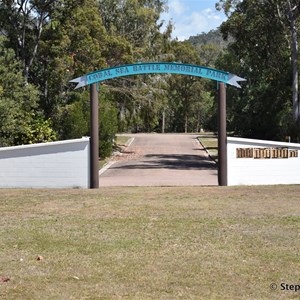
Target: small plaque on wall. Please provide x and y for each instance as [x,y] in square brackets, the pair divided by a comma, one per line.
[266,153]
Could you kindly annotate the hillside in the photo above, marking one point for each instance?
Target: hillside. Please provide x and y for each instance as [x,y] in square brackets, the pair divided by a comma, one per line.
[209,46]
[213,37]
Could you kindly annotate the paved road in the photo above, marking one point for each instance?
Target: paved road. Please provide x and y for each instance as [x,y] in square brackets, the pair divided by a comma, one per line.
[161,160]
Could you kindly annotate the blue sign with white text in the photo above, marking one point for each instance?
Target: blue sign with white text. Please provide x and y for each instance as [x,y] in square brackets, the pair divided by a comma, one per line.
[152,68]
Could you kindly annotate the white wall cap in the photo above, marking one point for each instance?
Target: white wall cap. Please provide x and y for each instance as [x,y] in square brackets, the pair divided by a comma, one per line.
[261,142]
[83,139]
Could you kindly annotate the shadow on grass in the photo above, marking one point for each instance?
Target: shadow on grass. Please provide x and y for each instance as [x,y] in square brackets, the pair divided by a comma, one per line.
[212,148]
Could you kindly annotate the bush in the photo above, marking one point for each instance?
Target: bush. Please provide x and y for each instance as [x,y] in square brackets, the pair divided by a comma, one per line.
[75,120]
[75,117]
[108,126]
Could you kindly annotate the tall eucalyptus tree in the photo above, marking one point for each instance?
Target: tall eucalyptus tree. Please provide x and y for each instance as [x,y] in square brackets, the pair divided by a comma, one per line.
[282,12]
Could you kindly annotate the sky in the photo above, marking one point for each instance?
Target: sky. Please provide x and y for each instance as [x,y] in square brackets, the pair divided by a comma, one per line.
[192,17]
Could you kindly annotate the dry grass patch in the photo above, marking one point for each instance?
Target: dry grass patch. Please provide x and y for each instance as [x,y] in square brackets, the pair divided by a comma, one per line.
[122,139]
[210,143]
[150,243]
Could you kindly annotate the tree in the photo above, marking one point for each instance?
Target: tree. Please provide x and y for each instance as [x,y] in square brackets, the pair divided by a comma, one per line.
[22,22]
[262,50]
[182,90]
[138,23]
[292,12]
[70,47]
[20,122]
[286,13]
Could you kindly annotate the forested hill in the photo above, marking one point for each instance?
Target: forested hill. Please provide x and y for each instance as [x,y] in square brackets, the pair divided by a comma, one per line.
[209,46]
[213,37]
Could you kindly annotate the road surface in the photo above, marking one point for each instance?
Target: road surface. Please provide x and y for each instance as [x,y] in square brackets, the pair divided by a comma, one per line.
[161,160]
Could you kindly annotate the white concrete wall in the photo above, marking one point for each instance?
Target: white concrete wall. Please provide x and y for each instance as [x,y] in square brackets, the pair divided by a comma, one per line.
[250,171]
[63,164]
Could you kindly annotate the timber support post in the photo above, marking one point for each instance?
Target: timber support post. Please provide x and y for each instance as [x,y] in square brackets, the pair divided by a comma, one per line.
[94,139]
[222,136]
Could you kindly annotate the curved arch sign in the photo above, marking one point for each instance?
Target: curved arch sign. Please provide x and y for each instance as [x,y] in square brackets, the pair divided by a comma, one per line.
[151,68]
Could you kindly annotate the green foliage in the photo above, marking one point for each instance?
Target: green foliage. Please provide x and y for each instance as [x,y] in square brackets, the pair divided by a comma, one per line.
[260,53]
[38,131]
[69,47]
[55,41]
[19,123]
[50,42]
[189,103]
[136,21]
[108,126]
[74,118]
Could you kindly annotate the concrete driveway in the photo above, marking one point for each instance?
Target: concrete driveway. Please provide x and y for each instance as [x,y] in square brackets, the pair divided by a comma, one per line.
[161,160]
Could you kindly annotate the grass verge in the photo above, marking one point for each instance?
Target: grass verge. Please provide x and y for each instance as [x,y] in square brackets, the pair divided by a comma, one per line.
[210,143]
[150,243]
[120,142]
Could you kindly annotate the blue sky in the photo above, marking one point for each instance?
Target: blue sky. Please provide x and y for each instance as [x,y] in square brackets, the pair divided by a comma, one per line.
[191,17]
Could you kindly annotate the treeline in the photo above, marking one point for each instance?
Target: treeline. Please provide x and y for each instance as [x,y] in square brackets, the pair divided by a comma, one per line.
[265,52]
[45,44]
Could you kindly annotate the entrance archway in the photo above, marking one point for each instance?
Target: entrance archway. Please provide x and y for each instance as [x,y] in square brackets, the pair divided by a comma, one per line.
[221,77]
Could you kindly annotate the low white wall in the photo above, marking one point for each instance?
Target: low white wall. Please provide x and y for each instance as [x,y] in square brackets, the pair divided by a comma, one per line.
[251,171]
[63,164]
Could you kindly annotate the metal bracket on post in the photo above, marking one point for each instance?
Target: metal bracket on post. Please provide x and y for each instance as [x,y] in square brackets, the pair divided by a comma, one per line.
[222,135]
[94,140]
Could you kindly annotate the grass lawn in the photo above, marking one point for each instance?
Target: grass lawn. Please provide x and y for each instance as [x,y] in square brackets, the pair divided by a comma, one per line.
[210,142]
[150,243]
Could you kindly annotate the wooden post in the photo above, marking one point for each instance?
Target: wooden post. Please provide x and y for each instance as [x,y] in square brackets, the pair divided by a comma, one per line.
[94,140]
[222,136]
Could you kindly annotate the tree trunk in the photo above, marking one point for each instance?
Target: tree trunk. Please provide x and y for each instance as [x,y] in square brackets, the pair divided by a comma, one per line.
[35,48]
[293,28]
[198,123]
